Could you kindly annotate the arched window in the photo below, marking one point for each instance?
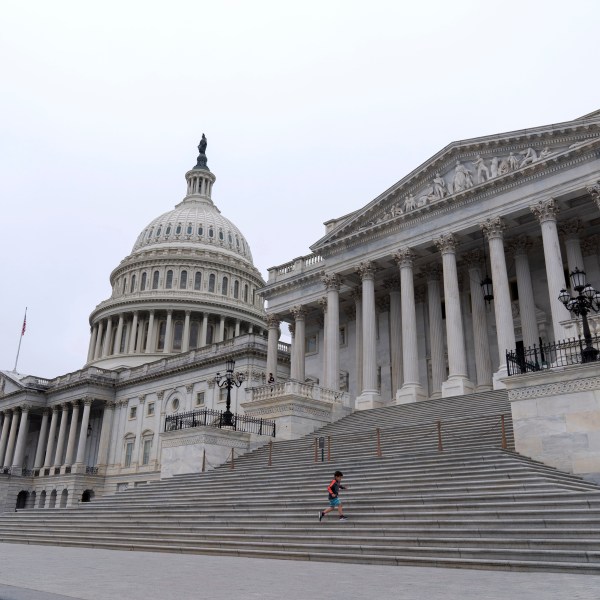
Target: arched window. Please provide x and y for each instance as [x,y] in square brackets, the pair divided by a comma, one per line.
[246,292]
[237,241]
[200,230]
[189,229]
[162,330]
[169,283]
[194,331]
[236,289]
[155,280]
[225,286]
[133,278]
[64,498]
[168,230]
[129,444]
[178,229]
[52,502]
[229,238]
[124,285]
[211,232]
[221,235]
[210,334]
[183,280]
[211,283]
[150,232]
[158,231]
[177,335]
[42,503]
[197,280]
[144,278]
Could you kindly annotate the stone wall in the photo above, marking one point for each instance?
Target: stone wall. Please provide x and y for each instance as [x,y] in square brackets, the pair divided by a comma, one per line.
[556,417]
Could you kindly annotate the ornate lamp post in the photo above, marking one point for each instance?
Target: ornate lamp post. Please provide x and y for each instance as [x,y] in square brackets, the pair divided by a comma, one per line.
[587,300]
[228,382]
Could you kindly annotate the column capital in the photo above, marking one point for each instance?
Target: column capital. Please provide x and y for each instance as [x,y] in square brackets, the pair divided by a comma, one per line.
[25,407]
[493,228]
[299,312]
[188,313]
[110,405]
[433,271]
[473,258]
[545,210]
[87,400]
[65,406]
[392,285]
[332,281]
[123,402]
[75,403]
[161,394]
[589,246]
[188,388]
[366,270]
[273,321]
[571,229]
[46,411]
[169,311]
[141,399]
[404,257]
[519,246]
[594,191]
[446,243]
[54,408]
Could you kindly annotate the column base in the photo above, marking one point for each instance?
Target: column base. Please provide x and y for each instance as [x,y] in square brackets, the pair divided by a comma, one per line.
[497,377]
[410,392]
[484,388]
[458,385]
[368,400]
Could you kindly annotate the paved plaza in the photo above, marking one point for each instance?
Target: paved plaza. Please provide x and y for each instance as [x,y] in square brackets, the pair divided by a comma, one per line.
[60,573]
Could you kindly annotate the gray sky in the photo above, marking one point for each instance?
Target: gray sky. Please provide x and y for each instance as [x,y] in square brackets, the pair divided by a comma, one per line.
[311,109]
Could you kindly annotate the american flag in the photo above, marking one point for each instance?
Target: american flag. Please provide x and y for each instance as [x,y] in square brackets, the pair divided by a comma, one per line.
[24,324]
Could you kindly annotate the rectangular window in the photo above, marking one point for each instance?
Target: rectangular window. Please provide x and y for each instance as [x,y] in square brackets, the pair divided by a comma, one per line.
[147,448]
[200,399]
[128,453]
[150,409]
[133,412]
[222,395]
[310,344]
[343,338]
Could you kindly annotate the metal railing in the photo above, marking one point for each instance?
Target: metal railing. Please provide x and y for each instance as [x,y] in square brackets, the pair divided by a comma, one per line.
[214,418]
[557,354]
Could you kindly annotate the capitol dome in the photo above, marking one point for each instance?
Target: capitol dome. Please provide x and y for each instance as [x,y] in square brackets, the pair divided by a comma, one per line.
[189,282]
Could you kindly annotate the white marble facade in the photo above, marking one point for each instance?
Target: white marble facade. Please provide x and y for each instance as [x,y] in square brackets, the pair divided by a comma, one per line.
[387,308]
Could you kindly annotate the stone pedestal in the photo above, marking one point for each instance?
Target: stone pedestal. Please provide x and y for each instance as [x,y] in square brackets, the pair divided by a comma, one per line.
[556,418]
[183,450]
[457,386]
[410,392]
[368,400]
[297,408]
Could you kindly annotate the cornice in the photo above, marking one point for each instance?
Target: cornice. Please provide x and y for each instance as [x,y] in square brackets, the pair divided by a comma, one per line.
[477,193]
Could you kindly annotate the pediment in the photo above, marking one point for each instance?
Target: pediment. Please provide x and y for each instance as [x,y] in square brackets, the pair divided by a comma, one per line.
[9,383]
[466,168]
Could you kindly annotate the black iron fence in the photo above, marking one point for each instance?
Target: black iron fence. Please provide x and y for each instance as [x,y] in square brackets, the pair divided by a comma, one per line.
[558,354]
[207,417]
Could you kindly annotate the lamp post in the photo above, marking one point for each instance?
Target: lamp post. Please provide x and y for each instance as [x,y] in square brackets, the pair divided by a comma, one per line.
[587,300]
[230,380]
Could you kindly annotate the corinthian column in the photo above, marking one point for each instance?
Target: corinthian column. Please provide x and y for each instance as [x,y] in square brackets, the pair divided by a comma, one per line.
[98,347]
[85,419]
[51,435]
[299,313]
[411,390]
[332,326]
[118,336]
[92,343]
[22,437]
[107,418]
[61,435]
[12,436]
[570,232]
[505,329]
[370,396]
[529,328]
[393,287]
[134,326]
[546,211]
[458,381]
[72,434]
[4,435]
[106,347]
[272,342]
[168,345]
[594,192]
[483,363]
[39,453]
[358,326]
[436,330]
[185,343]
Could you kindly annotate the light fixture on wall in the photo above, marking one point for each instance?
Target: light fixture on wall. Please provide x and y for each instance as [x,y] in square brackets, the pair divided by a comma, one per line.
[486,282]
[587,300]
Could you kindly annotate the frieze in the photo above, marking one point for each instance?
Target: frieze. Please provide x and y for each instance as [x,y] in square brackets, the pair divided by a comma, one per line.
[290,407]
[205,439]
[553,389]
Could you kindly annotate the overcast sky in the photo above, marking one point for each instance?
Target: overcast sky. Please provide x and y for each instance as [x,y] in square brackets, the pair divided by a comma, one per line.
[311,109]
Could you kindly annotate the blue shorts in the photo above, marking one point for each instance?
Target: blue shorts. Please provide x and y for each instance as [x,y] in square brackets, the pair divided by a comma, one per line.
[334,502]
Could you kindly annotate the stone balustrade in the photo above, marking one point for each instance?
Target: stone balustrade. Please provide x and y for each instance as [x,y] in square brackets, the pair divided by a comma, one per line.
[299,265]
[296,388]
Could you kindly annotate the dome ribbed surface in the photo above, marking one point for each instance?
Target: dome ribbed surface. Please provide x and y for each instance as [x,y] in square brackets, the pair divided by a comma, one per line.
[194,224]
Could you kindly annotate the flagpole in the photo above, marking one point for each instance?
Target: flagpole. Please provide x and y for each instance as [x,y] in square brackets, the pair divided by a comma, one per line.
[20,339]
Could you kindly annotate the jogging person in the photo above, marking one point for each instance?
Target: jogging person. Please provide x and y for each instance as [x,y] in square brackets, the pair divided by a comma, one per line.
[334,500]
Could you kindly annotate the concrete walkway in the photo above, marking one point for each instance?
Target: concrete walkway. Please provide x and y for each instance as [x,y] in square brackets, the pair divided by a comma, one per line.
[62,573]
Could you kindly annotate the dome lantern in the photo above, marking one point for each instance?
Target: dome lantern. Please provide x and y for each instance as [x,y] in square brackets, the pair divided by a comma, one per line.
[199,179]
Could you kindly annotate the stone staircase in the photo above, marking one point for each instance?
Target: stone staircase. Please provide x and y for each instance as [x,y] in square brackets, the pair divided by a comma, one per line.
[472,505]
